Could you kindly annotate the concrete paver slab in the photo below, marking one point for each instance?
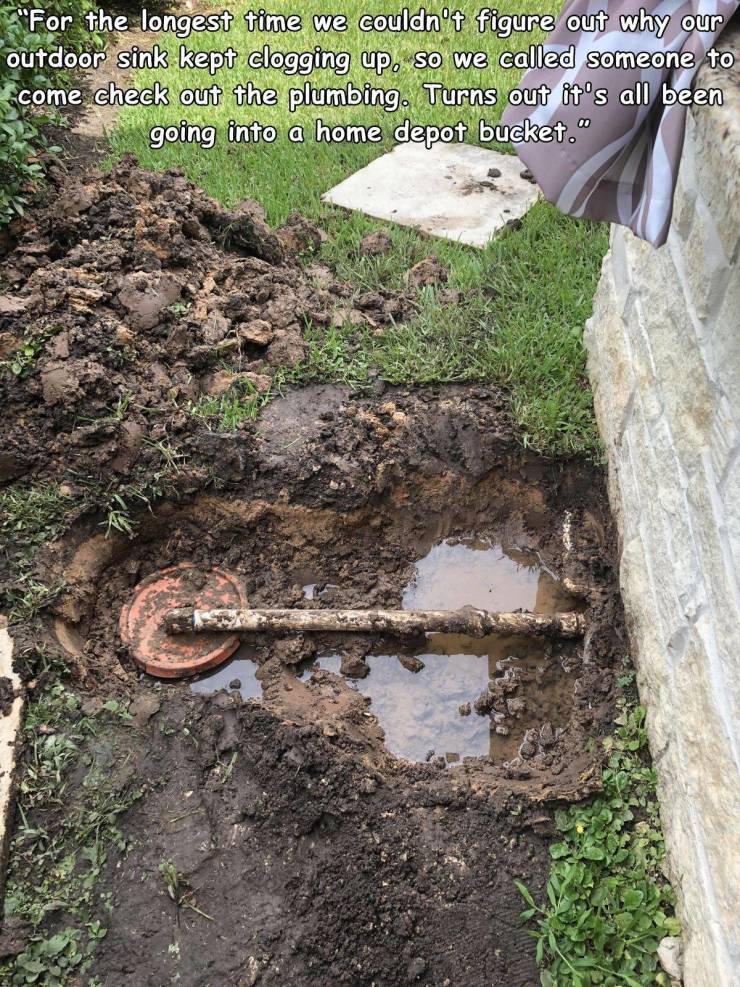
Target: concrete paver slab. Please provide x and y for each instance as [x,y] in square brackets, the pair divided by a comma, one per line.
[455,191]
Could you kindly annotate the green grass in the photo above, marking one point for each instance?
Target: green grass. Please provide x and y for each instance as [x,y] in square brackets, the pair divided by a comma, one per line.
[31,514]
[59,847]
[525,297]
[240,403]
[608,902]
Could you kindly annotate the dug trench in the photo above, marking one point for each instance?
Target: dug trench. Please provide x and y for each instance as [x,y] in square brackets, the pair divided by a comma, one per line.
[334,809]
[320,855]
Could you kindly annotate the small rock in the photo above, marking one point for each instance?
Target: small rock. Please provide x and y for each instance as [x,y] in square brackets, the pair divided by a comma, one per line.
[143,708]
[9,305]
[374,244]
[494,173]
[427,272]
[416,968]
[547,734]
[670,954]
[411,663]
[292,650]
[528,746]
[252,973]
[515,707]
[218,383]
[215,327]
[258,332]
[354,666]
[235,684]
[123,336]
[464,709]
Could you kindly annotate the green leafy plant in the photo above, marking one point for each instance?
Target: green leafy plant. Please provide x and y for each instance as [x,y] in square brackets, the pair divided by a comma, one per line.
[58,849]
[22,143]
[50,961]
[608,903]
[32,345]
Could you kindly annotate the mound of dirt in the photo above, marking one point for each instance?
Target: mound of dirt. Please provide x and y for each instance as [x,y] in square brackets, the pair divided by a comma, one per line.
[138,288]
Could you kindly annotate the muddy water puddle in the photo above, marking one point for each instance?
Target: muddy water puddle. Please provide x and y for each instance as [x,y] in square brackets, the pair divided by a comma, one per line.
[237,675]
[471,698]
[477,572]
[455,696]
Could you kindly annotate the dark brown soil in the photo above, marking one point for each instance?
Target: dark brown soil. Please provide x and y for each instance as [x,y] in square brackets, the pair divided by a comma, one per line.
[316,867]
[316,856]
[136,289]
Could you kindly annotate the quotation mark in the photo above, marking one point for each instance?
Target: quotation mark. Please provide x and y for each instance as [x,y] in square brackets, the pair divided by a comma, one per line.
[583,123]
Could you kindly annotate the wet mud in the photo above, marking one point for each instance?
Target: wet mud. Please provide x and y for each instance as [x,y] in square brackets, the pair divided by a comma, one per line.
[131,298]
[346,819]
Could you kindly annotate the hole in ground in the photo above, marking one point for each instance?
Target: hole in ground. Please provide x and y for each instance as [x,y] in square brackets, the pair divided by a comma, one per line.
[455,696]
[442,540]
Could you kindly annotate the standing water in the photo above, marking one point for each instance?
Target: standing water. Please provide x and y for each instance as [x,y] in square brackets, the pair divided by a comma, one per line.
[531,680]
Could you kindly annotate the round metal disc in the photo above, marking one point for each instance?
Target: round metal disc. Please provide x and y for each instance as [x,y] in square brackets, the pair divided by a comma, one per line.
[173,656]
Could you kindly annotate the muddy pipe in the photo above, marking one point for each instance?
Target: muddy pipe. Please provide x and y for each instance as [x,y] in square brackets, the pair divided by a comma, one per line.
[468,621]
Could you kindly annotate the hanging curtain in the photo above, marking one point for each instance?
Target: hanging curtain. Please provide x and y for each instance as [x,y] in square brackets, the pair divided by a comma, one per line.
[623,167]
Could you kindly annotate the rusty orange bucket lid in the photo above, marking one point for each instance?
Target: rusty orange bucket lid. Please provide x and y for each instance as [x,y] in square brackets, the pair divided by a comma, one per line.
[173,656]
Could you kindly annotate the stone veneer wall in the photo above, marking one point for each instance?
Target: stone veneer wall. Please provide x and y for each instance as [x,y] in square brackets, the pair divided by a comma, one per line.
[664,362]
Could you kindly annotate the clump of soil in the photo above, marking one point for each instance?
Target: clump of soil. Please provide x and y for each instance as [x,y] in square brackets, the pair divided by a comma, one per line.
[375,244]
[137,288]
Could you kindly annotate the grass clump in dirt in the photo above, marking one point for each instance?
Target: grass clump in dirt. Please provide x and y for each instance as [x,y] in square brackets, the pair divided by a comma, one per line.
[242,402]
[59,847]
[31,514]
[523,300]
[608,902]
